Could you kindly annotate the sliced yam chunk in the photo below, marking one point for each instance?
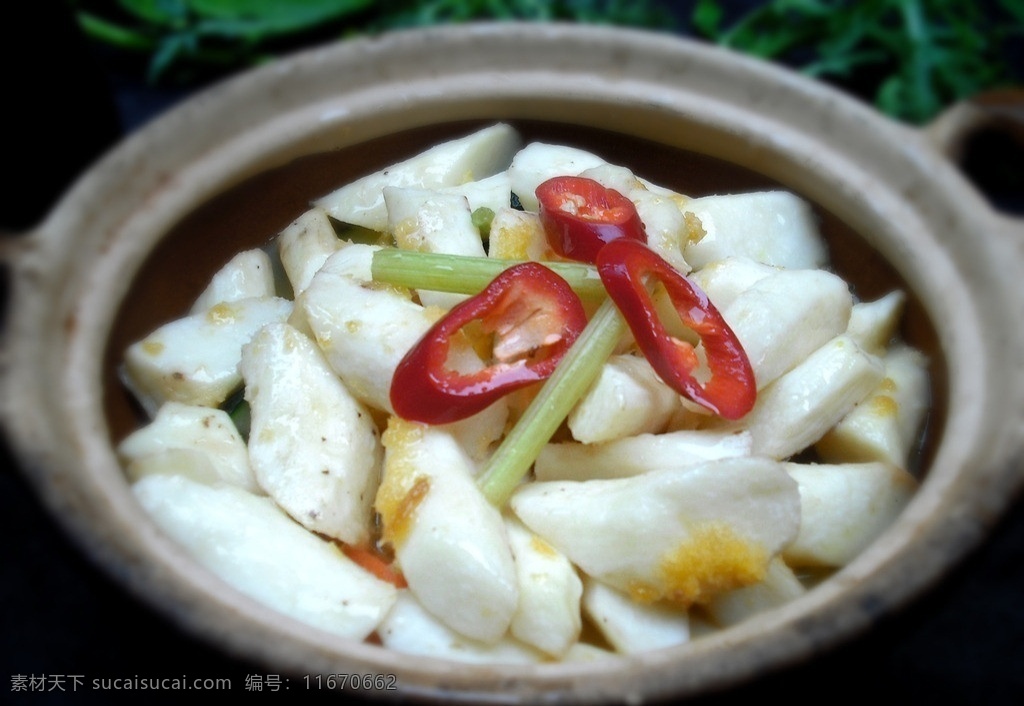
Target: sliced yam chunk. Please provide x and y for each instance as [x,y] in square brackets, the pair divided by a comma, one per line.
[873,324]
[631,627]
[773,227]
[449,541]
[478,433]
[207,433]
[363,328]
[784,317]
[778,587]
[191,463]
[247,275]
[313,447]
[475,156]
[539,161]
[683,535]
[304,246]
[628,398]
[613,176]
[844,507]
[548,614]
[631,456]
[724,280]
[411,629]
[885,425]
[665,224]
[428,221]
[796,410]
[493,192]
[518,235]
[194,360]
[252,545]
[668,228]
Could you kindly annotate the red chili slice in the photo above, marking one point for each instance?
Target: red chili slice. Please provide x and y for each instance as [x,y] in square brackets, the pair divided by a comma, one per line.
[580,216]
[626,267]
[532,316]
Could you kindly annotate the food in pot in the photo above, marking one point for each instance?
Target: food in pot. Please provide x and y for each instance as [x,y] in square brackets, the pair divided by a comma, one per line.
[511,403]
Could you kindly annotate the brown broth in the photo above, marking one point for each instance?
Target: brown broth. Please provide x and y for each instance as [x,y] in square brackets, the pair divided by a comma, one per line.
[253,213]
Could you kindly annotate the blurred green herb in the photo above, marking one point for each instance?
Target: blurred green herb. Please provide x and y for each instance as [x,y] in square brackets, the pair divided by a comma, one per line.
[183,39]
[911,57]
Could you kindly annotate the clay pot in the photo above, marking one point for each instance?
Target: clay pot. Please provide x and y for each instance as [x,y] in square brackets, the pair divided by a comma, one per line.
[132,242]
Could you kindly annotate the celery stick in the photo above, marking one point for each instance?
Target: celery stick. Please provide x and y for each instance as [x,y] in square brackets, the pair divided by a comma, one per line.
[570,381]
[465,274]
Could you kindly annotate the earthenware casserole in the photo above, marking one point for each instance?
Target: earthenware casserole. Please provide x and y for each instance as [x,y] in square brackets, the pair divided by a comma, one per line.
[73,299]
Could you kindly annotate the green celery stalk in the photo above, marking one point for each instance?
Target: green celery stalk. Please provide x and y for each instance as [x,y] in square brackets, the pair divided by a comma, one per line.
[465,274]
[581,365]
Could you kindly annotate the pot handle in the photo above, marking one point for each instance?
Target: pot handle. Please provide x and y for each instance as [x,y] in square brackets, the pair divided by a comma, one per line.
[997,111]
[15,251]
[11,244]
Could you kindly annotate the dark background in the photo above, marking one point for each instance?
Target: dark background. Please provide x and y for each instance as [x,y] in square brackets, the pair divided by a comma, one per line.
[960,643]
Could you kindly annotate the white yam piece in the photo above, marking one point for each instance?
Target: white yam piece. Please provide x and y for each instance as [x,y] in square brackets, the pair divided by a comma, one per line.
[628,398]
[478,434]
[774,227]
[364,329]
[304,245]
[493,192]
[873,324]
[427,221]
[683,535]
[845,507]
[613,176]
[796,410]
[313,447]
[194,360]
[781,319]
[664,222]
[475,156]
[206,432]
[449,541]
[668,228]
[253,546]
[631,627]
[885,425]
[539,161]
[518,235]
[411,629]
[631,456]
[430,221]
[191,463]
[548,614]
[724,280]
[778,587]
[247,275]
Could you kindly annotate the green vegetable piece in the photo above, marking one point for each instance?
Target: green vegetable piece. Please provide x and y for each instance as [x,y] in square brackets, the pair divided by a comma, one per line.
[581,365]
[481,218]
[466,274]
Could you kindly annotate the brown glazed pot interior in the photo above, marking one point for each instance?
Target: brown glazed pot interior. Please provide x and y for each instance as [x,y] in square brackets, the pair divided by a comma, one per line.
[228,170]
